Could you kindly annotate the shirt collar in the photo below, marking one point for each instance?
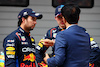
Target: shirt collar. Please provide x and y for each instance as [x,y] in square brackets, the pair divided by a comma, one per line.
[71,26]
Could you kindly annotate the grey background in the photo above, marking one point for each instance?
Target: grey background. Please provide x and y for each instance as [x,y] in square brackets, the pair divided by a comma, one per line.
[89,18]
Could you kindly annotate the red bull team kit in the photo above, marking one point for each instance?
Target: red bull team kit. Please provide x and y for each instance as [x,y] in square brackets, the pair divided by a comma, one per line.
[19,49]
[41,49]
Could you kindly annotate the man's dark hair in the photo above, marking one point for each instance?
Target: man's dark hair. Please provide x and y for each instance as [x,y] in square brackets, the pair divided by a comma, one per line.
[20,20]
[71,13]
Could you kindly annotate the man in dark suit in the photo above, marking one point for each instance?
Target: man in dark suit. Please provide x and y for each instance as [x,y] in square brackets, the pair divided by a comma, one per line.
[72,46]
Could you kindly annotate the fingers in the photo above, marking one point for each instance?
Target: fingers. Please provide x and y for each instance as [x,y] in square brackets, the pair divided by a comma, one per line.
[47,42]
[46,57]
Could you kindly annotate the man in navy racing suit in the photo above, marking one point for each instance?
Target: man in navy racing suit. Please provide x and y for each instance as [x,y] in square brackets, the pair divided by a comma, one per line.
[51,34]
[19,46]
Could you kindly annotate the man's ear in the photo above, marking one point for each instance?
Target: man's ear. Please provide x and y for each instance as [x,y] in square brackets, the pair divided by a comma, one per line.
[23,19]
[64,20]
[55,18]
[78,18]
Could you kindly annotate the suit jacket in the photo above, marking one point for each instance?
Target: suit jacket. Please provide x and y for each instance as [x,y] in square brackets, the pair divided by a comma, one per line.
[72,48]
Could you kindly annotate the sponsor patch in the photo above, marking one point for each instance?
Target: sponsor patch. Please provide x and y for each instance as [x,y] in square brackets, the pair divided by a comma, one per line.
[10,44]
[28,49]
[54,35]
[10,48]
[23,38]
[42,64]
[31,57]
[32,39]
[10,40]
[33,44]
[21,30]
[40,44]
[10,52]
[38,47]
[91,39]
[24,42]
[10,56]
[25,65]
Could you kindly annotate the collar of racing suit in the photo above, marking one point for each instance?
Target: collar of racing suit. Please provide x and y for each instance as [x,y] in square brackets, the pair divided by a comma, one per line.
[60,29]
[22,31]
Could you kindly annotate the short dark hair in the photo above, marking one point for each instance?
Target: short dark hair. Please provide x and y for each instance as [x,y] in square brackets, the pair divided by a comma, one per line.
[20,20]
[71,13]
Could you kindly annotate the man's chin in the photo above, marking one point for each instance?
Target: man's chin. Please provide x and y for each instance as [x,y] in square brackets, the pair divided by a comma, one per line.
[31,29]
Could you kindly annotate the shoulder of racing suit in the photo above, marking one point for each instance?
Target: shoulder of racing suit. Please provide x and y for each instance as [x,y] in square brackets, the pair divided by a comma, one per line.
[51,32]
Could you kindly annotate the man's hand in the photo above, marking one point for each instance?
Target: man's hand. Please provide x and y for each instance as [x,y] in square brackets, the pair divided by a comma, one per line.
[46,57]
[47,42]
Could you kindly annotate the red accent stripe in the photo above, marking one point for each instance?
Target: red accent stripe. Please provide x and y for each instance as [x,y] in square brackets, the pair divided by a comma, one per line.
[51,32]
[18,36]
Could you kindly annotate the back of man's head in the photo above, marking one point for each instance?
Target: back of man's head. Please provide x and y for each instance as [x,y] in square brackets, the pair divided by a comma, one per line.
[71,13]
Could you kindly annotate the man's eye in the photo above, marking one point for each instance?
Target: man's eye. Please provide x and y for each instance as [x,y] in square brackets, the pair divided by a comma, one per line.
[34,19]
[59,17]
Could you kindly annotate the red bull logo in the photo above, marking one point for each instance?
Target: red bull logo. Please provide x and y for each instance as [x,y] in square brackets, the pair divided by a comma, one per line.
[31,65]
[31,57]
[42,64]
[91,65]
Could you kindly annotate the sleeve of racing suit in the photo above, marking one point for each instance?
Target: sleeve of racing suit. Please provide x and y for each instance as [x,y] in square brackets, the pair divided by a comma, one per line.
[95,51]
[41,49]
[59,51]
[40,53]
[9,45]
